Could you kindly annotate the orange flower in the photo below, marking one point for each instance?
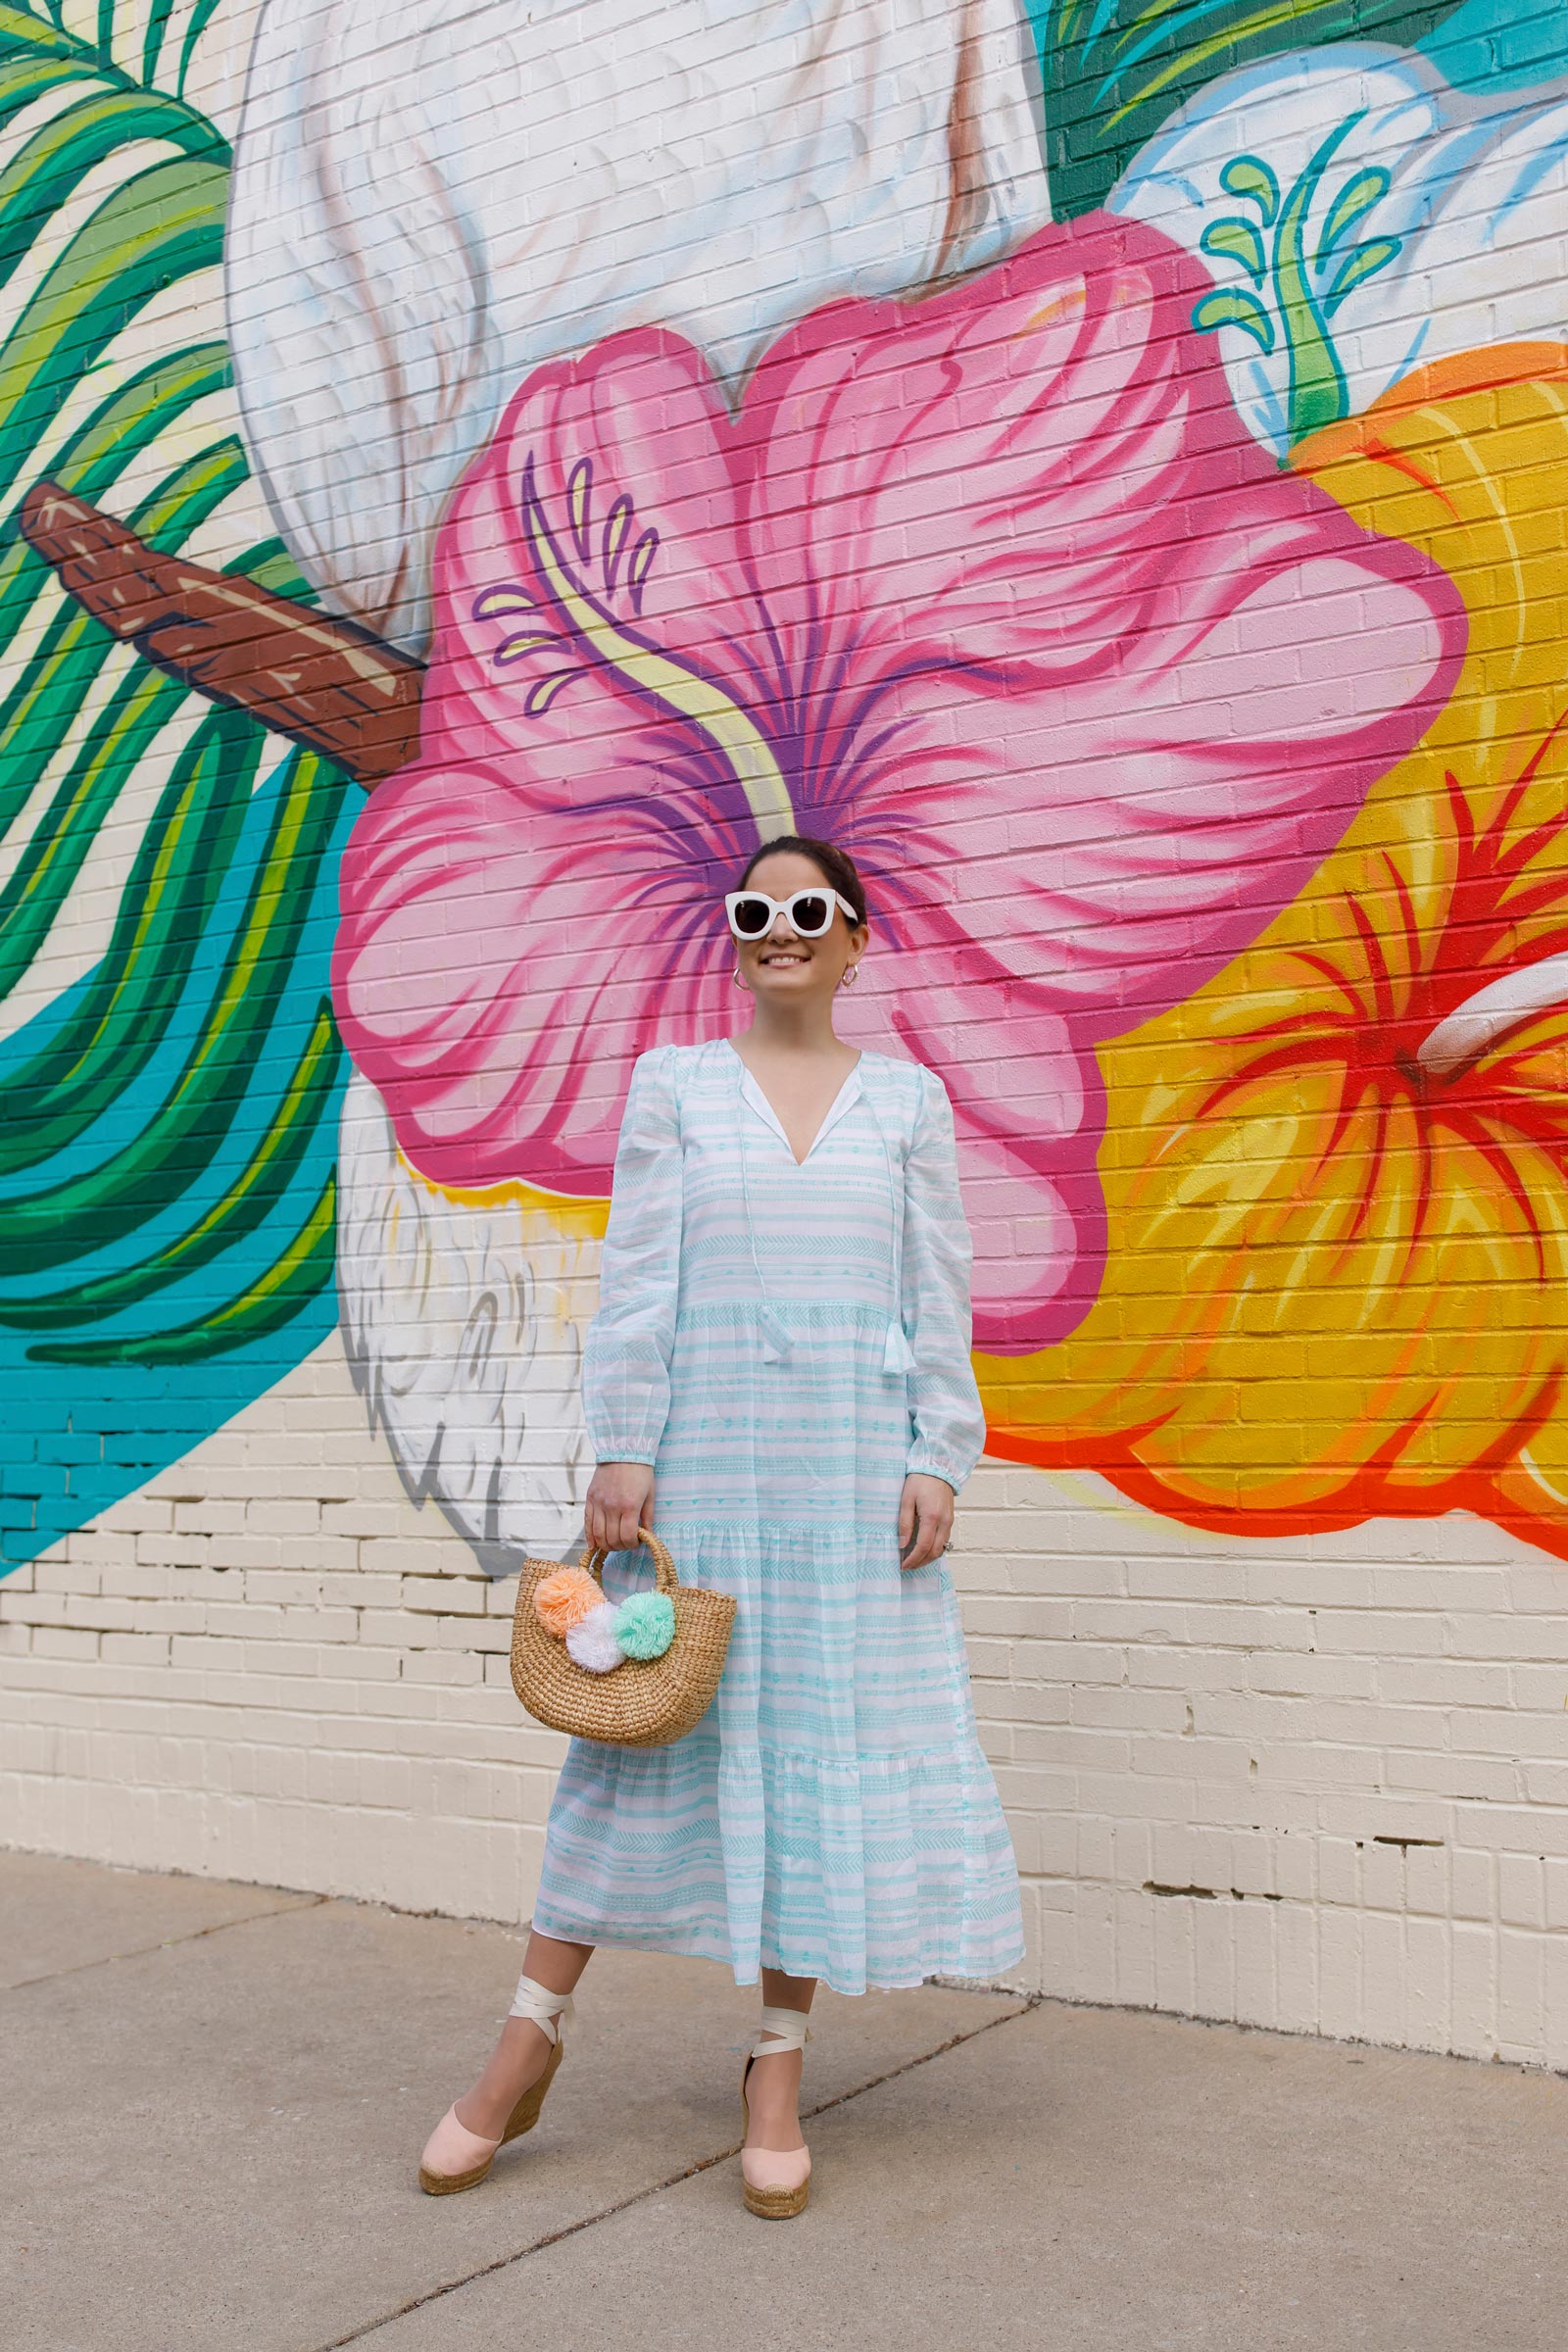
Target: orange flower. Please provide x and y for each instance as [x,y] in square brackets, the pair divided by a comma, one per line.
[1337,1283]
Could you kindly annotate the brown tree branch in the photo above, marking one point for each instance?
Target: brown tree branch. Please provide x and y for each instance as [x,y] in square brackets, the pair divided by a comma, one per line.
[323,682]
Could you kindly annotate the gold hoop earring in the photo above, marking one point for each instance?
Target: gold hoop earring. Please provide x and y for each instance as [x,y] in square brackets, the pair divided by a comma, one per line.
[848,980]
[735,978]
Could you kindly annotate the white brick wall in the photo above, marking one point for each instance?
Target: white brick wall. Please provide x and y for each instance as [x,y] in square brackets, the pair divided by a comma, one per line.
[1319,1786]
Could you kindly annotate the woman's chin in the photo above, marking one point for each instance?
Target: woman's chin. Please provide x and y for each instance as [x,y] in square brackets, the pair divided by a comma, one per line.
[792,981]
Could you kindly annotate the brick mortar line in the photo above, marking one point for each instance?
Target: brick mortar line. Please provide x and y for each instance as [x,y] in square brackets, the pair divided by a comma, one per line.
[165,1943]
[655,2188]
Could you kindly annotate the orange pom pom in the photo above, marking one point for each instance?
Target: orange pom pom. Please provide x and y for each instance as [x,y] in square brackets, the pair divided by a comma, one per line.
[565,1600]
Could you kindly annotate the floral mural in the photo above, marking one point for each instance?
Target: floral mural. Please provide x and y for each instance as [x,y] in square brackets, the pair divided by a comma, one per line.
[992,589]
[1099,465]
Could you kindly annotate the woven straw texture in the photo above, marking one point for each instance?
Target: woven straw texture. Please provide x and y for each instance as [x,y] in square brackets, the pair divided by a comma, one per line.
[645,1702]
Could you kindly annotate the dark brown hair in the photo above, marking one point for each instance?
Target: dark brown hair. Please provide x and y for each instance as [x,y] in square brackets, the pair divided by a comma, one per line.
[834,865]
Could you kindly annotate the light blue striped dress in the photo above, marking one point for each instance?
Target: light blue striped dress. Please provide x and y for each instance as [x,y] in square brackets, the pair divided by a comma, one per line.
[783,1342]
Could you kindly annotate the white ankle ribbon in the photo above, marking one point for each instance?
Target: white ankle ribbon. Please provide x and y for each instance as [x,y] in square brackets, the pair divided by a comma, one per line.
[789,2025]
[550,2012]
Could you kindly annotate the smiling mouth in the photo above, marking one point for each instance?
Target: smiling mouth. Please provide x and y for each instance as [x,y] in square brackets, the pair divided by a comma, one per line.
[784,956]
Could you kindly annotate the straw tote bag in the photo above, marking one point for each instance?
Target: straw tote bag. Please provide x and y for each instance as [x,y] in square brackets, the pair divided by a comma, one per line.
[642,1702]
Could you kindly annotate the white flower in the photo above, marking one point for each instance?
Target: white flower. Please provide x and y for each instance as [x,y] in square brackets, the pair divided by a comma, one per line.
[431,199]
[1362,218]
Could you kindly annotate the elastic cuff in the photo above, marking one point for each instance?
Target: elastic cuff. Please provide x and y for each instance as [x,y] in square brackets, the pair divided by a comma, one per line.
[922,1467]
[622,1453]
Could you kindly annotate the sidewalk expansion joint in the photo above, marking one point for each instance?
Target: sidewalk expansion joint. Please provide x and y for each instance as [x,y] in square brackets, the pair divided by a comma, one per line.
[656,2188]
[165,1944]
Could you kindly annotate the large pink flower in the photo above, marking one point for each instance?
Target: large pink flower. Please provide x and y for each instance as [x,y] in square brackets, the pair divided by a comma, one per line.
[990,588]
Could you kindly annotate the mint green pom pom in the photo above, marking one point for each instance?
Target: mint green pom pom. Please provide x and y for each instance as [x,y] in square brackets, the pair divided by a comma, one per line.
[645,1625]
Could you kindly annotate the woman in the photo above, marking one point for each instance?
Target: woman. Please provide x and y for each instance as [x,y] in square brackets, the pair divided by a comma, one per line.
[783,1338]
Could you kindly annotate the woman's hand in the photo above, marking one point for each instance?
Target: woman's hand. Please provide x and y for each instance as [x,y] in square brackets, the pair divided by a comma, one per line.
[925,1519]
[620,1499]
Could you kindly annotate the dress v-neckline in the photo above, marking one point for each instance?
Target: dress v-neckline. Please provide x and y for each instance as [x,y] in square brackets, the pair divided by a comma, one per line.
[753,1092]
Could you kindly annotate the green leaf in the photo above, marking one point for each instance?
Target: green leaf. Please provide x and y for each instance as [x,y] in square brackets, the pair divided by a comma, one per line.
[1250,176]
[152,40]
[201,16]
[1356,267]
[23,35]
[1233,308]
[1238,241]
[163,1073]
[56,159]
[1111,74]
[164,223]
[289,1283]
[68,1218]
[123,1015]
[254,1194]
[1361,192]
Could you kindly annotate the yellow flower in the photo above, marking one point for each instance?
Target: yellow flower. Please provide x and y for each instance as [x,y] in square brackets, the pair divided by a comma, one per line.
[1336,1178]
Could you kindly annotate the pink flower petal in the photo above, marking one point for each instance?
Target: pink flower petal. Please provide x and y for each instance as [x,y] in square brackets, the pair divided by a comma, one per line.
[993,590]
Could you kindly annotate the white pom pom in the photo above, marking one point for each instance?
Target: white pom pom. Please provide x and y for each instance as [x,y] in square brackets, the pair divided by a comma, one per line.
[592,1641]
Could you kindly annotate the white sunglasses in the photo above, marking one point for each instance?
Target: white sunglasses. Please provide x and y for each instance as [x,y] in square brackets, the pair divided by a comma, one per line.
[808,913]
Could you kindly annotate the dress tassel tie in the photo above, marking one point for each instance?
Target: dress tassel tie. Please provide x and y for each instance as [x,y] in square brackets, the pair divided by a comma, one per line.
[897,1355]
[779,1345]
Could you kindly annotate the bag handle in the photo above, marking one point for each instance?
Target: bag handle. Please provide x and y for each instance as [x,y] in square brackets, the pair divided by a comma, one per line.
[664,1578]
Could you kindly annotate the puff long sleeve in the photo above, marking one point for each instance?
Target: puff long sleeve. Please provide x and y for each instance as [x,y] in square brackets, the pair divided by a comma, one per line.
[625,1372]
[950,1429]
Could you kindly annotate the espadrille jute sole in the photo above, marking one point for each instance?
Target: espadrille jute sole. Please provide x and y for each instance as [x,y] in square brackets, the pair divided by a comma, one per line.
[776,2204]
[522,2117]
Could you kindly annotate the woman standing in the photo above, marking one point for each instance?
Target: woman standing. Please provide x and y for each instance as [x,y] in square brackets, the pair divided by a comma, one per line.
[783,1341]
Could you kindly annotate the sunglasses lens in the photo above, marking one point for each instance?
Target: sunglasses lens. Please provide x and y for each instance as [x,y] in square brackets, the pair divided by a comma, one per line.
[810,912]
[751,917]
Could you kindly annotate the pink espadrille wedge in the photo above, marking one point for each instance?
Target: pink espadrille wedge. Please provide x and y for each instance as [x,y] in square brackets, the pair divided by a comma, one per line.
[456,2158]
[775,2183]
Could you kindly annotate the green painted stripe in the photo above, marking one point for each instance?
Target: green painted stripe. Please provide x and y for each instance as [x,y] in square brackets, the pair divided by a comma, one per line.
[152,39]
[289,1284]
[43,1229]
[124,1013]
[201,16]
[22,80]
[255,1192]
[165,222]
[141,706]
[23,35]
[52,165]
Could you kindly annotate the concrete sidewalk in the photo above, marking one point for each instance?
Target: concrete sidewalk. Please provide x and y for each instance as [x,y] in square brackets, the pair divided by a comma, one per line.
[214,2097]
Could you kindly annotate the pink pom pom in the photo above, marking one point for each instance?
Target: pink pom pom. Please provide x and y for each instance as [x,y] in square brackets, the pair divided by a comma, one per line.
[565,1600]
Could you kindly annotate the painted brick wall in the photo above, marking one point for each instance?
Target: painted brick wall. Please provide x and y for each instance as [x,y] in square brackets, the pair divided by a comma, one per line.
[1214,387]
[1321,1787]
